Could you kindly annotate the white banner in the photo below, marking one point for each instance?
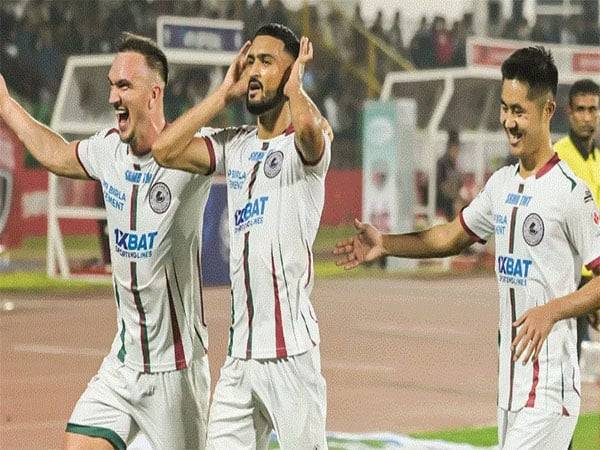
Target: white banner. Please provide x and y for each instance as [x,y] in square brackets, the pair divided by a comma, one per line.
[570,60]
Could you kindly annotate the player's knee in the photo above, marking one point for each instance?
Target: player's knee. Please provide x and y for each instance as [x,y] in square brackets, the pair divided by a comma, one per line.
[74,441]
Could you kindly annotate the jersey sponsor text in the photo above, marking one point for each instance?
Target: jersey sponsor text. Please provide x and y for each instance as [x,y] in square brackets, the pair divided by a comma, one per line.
[135,245]
[251,214]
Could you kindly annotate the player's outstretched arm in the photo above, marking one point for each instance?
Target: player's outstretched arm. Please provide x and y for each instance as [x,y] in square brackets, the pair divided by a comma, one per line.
[536,323]
[176,146]
[306,117]
[48,147]
[369,244]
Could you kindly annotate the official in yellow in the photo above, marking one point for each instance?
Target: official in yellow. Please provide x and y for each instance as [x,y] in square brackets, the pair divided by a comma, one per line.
[582,154]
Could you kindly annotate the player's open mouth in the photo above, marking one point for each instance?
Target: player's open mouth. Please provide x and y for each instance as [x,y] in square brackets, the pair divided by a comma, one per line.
[514,136]
[254,88]
[122,118]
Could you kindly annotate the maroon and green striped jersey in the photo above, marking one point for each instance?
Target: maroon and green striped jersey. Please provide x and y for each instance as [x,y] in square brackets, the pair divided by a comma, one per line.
[154,223]
[275,201]
[545,228]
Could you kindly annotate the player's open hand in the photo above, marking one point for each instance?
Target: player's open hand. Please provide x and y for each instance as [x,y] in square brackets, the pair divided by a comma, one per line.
[365,246]
[305,55]
[535,324]
[235,83]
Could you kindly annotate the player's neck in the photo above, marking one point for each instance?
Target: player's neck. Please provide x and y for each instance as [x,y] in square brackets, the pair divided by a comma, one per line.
[142,145]
[531,163]
[274,122]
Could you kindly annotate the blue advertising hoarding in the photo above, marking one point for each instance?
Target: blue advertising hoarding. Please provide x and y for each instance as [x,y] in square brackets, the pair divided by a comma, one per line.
[215,238]
[199,35]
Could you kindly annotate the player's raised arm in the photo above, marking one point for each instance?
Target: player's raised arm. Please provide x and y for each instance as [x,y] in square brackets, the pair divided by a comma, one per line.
[369,244]
[49,148]
[176,146]
[306,117]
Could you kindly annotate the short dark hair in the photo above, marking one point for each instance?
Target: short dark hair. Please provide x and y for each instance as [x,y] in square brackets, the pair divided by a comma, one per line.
[291,43]
[534,66]
[155,57]
[580,87]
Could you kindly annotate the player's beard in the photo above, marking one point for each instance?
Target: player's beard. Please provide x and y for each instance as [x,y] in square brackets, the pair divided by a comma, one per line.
[266,104]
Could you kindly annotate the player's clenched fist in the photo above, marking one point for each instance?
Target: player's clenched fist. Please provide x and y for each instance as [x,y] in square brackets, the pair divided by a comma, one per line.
[365,246]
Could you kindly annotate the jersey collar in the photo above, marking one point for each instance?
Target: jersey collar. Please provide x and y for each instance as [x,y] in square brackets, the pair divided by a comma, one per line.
[549,165]
[544,169]
[581,147]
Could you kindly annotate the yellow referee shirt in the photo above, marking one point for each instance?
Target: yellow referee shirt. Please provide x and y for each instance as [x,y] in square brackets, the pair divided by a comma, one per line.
[586,165]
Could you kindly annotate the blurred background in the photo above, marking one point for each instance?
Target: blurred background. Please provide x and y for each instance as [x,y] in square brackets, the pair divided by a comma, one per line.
[442,56]
[411,89]
[356,43]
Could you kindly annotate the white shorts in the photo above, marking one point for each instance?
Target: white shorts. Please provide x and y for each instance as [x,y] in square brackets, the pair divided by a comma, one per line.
[170,408]
[533,428]
[255,396]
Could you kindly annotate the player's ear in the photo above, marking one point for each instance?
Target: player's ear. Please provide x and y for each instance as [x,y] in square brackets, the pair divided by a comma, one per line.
[157,91]
[549,108]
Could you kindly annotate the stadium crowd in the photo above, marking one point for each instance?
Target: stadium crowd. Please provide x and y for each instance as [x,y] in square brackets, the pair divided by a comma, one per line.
[37,36]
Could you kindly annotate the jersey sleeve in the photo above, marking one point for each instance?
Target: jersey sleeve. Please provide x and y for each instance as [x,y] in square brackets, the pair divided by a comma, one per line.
[217,141]
[91,155]
[583,226]
[319,167]
[477,218]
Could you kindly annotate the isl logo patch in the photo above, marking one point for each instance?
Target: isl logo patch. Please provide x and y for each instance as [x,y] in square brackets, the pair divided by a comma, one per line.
[273,164]
[160,198]
[533,229]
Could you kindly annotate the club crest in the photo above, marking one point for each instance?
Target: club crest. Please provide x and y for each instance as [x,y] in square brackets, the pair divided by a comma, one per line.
[533,229]
[160,198]
[273,164]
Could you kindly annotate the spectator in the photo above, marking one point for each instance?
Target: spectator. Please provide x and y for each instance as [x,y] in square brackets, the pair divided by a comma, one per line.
[448,178]
[394,34]
[421,46]
[68,36]
[48,60]
[236,10]
[589,34]
[459,42]
[516,29]
[277,13]
[443,46]
[377,26]
[376,30]
[568,32]
[545,30]
[256,16]
[336,31]
[119,19]
[358,43]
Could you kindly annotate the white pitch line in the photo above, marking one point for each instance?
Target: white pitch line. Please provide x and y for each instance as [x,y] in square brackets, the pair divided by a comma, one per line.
[58,350]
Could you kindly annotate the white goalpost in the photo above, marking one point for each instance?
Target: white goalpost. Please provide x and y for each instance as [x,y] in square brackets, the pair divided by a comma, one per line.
[82,109]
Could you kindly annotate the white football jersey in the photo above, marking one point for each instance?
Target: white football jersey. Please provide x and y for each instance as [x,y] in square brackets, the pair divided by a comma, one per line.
[154,219]
[275,204]
[545,227]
